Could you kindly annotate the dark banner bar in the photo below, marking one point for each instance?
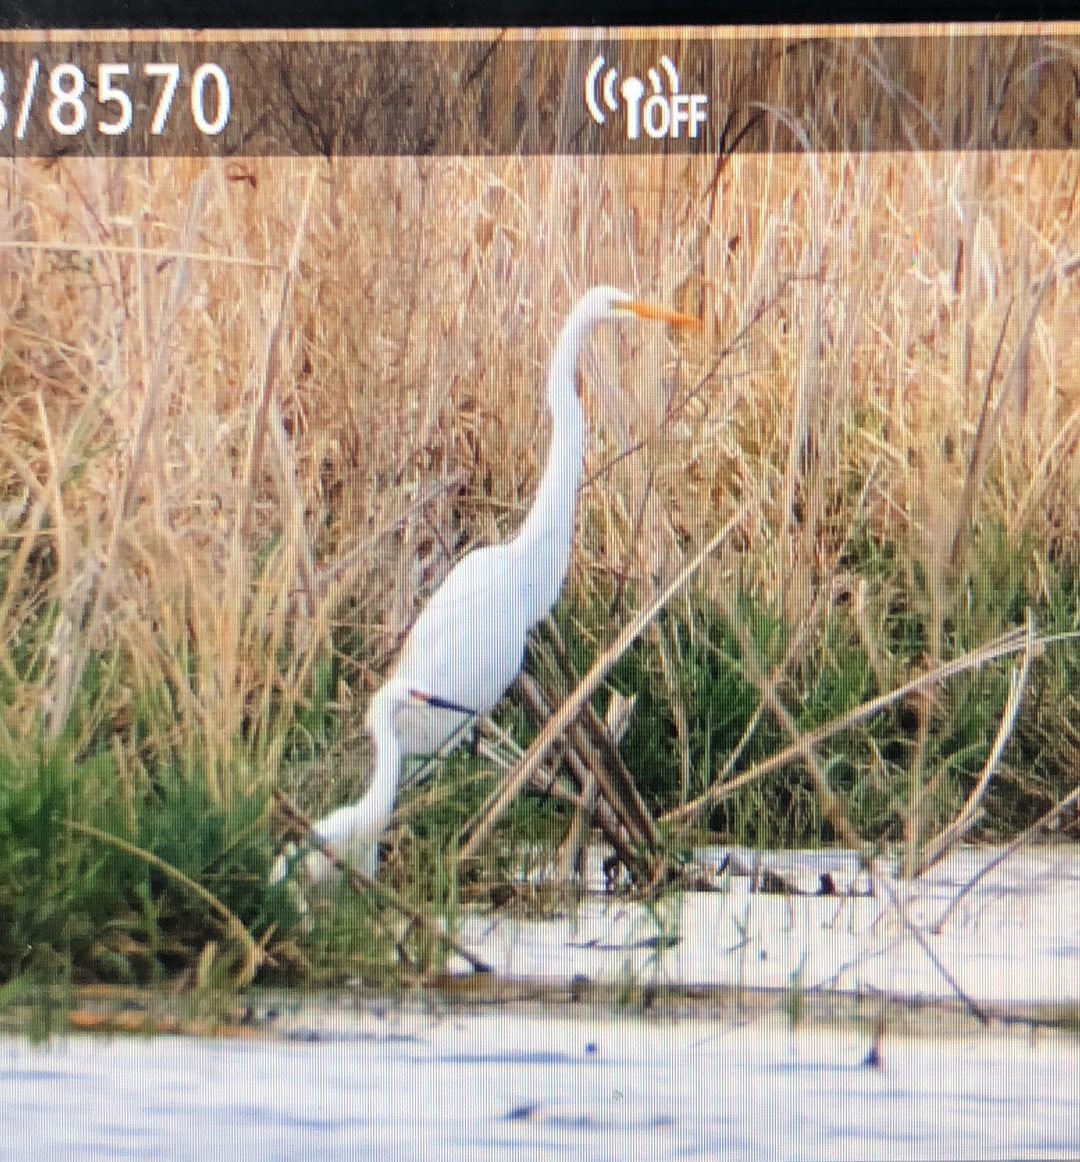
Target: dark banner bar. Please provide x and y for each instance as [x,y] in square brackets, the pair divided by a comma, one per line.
[583,94]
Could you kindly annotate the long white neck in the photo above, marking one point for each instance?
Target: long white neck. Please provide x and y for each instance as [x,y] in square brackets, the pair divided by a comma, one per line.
[551,519]
[378,802]
[354,830]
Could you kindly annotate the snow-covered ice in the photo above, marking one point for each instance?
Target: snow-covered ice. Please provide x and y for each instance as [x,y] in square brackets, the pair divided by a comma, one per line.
[1014,938]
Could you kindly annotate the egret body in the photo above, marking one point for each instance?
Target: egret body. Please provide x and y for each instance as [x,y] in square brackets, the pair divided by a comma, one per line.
[468,643]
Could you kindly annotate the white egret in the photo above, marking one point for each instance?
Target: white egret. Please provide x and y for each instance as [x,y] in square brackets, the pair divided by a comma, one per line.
[468,643]
[353,830]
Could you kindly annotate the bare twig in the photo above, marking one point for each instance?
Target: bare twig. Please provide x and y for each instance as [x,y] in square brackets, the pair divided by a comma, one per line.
[593,740]
[617,831]
[985,430]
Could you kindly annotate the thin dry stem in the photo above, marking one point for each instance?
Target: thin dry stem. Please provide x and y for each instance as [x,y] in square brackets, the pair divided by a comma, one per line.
[1009,643]
[936,849]
[477,831]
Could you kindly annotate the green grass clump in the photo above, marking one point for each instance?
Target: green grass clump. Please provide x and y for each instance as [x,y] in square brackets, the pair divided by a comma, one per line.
[96,874]
[904,772]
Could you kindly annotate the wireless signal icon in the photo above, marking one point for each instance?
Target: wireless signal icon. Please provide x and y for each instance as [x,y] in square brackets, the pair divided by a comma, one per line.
[610,80]
[660,114]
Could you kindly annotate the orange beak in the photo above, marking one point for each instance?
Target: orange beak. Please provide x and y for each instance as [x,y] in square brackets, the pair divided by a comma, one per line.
[652,311]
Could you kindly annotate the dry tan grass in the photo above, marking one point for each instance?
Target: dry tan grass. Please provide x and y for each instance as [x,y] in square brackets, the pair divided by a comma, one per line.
[242,404]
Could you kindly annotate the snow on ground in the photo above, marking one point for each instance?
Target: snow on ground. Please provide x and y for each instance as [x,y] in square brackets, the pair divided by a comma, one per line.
[1014,938]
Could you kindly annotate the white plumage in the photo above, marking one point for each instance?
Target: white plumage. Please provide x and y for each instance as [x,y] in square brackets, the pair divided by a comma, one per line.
[468,643]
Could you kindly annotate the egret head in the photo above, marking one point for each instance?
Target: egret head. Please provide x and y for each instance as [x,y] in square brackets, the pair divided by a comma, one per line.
[609,304]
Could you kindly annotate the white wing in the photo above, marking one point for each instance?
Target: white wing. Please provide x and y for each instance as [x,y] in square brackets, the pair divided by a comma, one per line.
[467,646]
